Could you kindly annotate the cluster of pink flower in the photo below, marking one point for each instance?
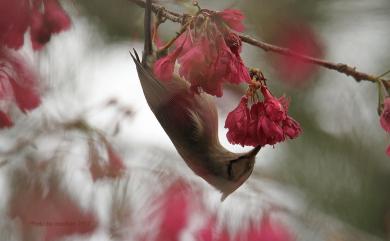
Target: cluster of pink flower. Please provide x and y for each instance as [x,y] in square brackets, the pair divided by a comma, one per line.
[266,122]
[18,16]
[18,85]
[208,53]
[179,206]
[18,82]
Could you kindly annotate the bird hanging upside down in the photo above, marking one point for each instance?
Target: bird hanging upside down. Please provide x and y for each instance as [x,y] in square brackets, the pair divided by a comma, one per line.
[191,122]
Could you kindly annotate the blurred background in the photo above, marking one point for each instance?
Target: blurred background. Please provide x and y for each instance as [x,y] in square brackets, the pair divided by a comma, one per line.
[331,183]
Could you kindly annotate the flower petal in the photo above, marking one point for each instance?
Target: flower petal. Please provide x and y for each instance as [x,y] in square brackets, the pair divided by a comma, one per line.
[233,18]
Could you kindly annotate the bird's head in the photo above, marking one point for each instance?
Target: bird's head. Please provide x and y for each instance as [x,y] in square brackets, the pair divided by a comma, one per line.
[237,171]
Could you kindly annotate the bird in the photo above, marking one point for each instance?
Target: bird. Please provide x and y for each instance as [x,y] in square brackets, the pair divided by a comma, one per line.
[191,123]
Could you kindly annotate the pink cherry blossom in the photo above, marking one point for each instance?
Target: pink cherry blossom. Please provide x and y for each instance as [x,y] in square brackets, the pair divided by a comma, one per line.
[18,86]
[291,128]
[237,122]
[267,122]
[233,18]
[44,18]
[14,21]
[5,120]
[164,67]
[209,57]
[272,131]
[275,108]
[208,64]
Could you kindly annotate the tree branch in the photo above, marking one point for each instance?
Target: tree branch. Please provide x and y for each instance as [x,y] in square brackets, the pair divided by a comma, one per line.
[339,67]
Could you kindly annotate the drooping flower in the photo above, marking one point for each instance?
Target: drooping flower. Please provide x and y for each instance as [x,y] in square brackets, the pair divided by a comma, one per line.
[233,18]
[44,18]
[291,128]
[268,122]
[56,18]
[5,120]
[164,67]
[208,54]
[266,131]
[275,108]
[237,122]
[14,21]
[271,130]
[18,86]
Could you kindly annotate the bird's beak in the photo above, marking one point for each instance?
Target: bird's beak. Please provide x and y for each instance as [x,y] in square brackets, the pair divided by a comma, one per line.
[224,196]
[254,151]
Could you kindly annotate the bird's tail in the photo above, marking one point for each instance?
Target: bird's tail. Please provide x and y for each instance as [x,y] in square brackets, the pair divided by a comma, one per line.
[148,48]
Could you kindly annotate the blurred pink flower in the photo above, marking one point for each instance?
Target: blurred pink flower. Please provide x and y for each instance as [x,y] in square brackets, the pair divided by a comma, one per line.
[175,211]
[18,85]
[233,18]
[43,17]
[54,214]
[266,231]
[300,38]
[112,168]
[210,233]
[14,21]
[388,150]
[269,231]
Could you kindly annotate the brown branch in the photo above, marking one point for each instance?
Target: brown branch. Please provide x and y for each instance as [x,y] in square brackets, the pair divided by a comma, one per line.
[339,67]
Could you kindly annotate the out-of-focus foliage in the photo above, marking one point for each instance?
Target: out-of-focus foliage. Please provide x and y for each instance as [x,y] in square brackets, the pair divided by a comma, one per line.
[120,19]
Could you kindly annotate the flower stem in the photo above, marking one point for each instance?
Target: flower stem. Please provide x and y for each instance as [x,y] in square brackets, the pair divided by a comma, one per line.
[384,74]
[339,67]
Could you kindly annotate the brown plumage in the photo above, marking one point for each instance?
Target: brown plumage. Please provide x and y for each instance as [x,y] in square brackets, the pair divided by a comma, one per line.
[191,122]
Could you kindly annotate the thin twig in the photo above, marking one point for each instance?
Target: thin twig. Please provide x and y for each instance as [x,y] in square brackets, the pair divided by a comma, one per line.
[339,67]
